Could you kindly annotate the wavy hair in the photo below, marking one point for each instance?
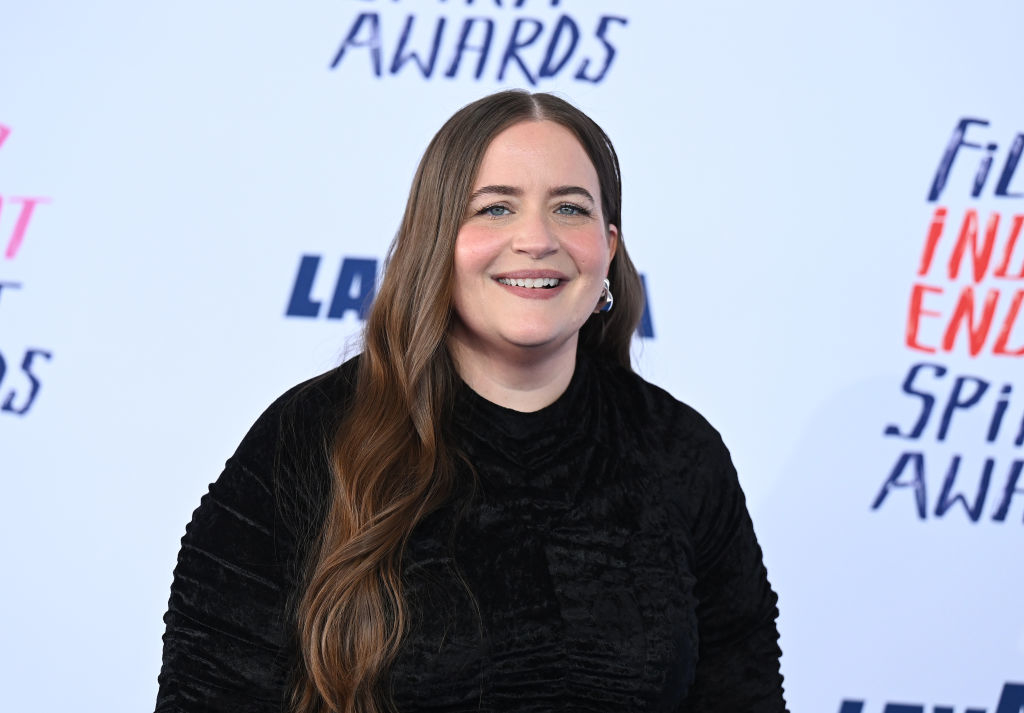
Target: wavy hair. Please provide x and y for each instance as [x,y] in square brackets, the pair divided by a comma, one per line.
[392,462]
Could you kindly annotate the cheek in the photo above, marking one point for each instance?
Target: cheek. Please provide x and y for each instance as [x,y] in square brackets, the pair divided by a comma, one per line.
[473,253]
[594,254]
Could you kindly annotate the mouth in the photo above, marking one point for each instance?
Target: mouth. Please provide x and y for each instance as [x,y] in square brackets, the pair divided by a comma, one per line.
[530,282]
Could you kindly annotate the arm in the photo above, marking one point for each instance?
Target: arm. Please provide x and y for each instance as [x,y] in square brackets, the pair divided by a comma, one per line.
[228,642]
[738,665]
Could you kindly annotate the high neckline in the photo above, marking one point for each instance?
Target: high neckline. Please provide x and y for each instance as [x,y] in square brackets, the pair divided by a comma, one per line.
[469,401]
[526,437]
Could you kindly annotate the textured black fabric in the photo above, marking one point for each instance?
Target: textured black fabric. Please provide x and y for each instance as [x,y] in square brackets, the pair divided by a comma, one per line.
[600,559]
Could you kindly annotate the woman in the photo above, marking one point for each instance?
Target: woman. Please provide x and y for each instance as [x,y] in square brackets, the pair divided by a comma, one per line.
[486,510]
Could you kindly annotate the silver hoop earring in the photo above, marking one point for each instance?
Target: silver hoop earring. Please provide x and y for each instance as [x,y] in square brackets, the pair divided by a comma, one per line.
[609,299]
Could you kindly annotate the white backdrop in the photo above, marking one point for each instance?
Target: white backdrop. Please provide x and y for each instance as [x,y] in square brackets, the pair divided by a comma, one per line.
[165,168]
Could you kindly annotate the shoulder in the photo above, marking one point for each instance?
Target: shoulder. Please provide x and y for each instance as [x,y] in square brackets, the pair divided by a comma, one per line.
[671,444]
[304,415]
[637,405]
[286,453]
[230,629]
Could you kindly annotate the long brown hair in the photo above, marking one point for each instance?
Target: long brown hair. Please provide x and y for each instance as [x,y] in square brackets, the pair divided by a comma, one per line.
[392,461]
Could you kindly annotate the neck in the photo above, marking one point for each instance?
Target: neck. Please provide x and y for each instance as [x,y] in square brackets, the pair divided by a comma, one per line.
[522,380]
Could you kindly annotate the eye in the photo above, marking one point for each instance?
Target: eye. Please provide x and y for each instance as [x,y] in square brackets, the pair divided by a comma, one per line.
[494,211]
[571,209]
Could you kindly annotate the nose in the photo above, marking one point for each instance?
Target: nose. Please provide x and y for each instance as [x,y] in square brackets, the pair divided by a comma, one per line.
[535,237]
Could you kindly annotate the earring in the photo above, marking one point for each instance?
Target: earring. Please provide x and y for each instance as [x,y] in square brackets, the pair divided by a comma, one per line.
[609,299]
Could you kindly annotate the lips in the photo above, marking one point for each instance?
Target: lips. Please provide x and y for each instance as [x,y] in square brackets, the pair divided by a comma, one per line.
[530,282]
[531,278]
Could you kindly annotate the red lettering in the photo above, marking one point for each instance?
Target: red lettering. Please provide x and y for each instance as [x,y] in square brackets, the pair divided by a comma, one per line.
[916,312]
[934,233]
[955,311]
[1008,324]
[4,133]
[964,313]
[1018,221]
[969,234]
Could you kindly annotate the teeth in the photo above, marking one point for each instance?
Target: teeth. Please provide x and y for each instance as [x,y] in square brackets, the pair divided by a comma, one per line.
[529,282]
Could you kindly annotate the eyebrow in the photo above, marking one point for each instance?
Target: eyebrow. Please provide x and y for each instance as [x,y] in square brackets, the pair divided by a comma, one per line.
[558,192]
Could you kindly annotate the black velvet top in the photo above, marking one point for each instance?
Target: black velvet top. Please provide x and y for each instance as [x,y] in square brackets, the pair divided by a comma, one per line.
[601,560]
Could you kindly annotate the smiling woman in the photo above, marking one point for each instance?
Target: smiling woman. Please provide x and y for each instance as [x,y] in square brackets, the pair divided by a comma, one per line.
[530,261]
[486,510]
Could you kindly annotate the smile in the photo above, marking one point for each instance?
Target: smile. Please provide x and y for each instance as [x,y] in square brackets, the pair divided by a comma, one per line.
[533,282]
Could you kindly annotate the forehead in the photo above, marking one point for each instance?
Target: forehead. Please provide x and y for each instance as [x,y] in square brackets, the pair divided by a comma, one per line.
[537,152]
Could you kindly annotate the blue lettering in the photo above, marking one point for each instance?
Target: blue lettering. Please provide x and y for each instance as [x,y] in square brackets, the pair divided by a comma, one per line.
[26,367]
[927,399]
[1012,699]
[373,41]
[9,286]
[515,44]
[917,483]
[646,327]
[301,303]
[357,286]
[524,33]
[983,168]
[1000,411]
[973,511]
[955,142]
[955,403]
[550,68]
[1011,166]
[518,3]
[427,69]
[602,30]
[1009,491]
[463,45]
[858,706]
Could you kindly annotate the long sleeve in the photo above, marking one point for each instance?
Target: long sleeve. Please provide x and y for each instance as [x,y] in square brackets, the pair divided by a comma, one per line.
[599,556]
[228,643]
[738,664]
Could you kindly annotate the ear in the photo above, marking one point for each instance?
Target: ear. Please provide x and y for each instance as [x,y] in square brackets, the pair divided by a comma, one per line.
[613,241]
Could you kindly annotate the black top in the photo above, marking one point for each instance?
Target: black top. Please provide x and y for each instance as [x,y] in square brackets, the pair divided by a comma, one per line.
[602,559]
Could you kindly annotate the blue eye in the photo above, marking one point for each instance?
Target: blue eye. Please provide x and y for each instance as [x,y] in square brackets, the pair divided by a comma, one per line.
[571,209]
[494,211]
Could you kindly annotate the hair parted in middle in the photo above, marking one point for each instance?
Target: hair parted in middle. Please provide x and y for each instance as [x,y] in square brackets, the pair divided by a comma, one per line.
[391,462]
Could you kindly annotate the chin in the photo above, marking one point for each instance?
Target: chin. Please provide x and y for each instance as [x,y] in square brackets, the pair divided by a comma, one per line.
[538,340]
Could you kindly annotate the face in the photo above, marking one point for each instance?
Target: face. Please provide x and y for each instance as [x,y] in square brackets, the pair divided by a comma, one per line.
[533,248]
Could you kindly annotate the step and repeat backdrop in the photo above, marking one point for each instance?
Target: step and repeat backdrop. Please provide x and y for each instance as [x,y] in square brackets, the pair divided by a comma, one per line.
[826,202]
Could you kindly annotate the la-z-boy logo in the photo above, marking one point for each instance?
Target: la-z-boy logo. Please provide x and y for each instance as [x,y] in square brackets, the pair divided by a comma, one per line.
[356,286]
[1011,701]
[497,40]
